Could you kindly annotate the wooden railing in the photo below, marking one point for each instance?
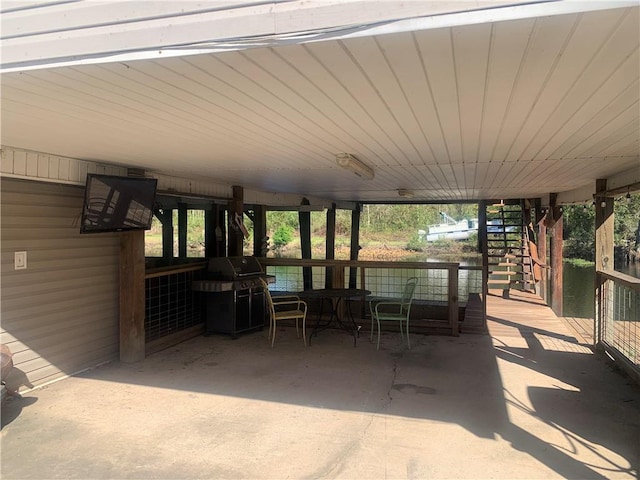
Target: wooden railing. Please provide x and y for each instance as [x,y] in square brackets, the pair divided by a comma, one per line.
[618,318]
[172,312]
[436,303]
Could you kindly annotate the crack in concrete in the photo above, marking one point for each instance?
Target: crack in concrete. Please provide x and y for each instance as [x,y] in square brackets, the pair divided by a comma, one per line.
[333,469]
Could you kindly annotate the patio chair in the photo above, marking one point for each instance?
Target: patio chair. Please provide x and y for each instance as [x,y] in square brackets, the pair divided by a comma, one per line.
[286,307]
[394,309]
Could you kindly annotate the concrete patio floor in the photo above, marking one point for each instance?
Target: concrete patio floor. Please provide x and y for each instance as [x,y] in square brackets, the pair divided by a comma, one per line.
[476,406]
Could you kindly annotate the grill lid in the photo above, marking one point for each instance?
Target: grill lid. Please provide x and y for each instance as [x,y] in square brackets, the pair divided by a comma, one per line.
[231,268]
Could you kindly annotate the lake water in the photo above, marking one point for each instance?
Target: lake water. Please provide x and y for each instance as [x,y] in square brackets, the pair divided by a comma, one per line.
[579,286]
[578,283]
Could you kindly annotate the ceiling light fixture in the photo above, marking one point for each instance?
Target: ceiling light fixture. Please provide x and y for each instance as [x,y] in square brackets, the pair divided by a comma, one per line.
[405,193]
[349,162]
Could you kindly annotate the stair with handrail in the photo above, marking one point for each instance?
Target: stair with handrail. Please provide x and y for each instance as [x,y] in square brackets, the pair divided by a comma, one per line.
[508,256]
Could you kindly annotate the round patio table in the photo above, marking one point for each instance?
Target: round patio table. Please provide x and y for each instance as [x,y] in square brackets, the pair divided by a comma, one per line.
[335,296]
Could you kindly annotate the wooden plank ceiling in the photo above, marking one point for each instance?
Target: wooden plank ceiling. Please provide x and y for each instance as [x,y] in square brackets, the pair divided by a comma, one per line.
[507,109]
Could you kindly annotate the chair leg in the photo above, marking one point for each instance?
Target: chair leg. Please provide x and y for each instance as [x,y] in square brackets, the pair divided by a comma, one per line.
[273,338]
[371,329]
[378,346]
[270,328]
[304,330]
[408,341]
[297,329]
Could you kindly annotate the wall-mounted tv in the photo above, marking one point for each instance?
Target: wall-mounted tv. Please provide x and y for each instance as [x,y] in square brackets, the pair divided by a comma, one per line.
[117,204]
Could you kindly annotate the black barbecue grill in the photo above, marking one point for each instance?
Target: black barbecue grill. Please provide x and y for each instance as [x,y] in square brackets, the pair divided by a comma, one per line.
[233,294]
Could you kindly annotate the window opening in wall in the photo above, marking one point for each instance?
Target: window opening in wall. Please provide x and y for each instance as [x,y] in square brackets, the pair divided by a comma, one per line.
[195,233]
[153,239]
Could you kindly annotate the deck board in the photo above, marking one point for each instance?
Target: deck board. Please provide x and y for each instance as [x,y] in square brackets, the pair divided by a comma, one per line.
[524,318]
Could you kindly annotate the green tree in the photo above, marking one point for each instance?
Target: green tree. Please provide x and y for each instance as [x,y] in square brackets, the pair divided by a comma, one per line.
[627,222]
[579,231]
[281,237]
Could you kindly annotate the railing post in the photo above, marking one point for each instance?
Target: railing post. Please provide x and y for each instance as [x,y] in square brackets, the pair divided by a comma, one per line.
[598,317]
[454,300]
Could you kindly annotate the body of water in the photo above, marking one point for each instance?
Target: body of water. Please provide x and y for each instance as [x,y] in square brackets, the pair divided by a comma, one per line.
[579,288]
[578,283]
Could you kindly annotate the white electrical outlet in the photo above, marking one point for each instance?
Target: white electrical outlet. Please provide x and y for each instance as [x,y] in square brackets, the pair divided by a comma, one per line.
[20,260]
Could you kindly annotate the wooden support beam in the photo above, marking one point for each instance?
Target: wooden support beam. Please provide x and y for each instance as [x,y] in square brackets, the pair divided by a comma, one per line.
[182,230]
[330,247]
[221,232]
[542,252]
[454,301]
[236,212]
[210,220]
[355,243]
[304,218]
[132,296]
[604,246]
[482,247]
[166,219]
[604,243]
[259,231]
[556,257]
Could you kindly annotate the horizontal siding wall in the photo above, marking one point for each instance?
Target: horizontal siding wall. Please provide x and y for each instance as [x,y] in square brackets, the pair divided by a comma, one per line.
[60,315]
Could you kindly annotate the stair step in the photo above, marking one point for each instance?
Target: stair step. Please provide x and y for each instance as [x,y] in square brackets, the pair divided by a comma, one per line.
[504,272]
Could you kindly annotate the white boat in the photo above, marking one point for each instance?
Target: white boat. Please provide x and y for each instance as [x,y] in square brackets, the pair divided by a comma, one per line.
[450,229]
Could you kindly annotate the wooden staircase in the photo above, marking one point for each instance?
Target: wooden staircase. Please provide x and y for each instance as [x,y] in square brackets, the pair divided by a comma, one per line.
[508,257]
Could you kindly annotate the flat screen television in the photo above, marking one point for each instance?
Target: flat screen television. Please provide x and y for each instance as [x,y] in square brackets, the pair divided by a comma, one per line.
[117,204]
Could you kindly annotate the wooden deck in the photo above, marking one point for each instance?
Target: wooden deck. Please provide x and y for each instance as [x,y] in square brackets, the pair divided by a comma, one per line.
[582,326]
[523,318]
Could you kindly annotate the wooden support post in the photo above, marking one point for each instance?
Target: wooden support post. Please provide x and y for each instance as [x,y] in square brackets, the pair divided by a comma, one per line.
[210,223]
[166,219]
[330,248]
[542,251]
[259,230]
[482,247]
[355,243]
[454,303]
[236,213]
[338,276]
[132,296]
[304,218]
[182,230]
[221,232]
[604,245]
[556,256]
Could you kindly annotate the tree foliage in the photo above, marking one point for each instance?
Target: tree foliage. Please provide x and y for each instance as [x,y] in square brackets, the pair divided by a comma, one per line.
[399,224]
[281,237]
[579,231]
[579,227]
[627,222]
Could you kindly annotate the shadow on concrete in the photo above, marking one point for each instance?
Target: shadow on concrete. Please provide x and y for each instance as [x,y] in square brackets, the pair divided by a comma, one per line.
[464,381]
[593,403]
[12,408]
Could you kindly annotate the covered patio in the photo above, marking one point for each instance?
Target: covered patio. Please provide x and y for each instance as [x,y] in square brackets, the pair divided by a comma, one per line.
[526,401]
[239,107]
